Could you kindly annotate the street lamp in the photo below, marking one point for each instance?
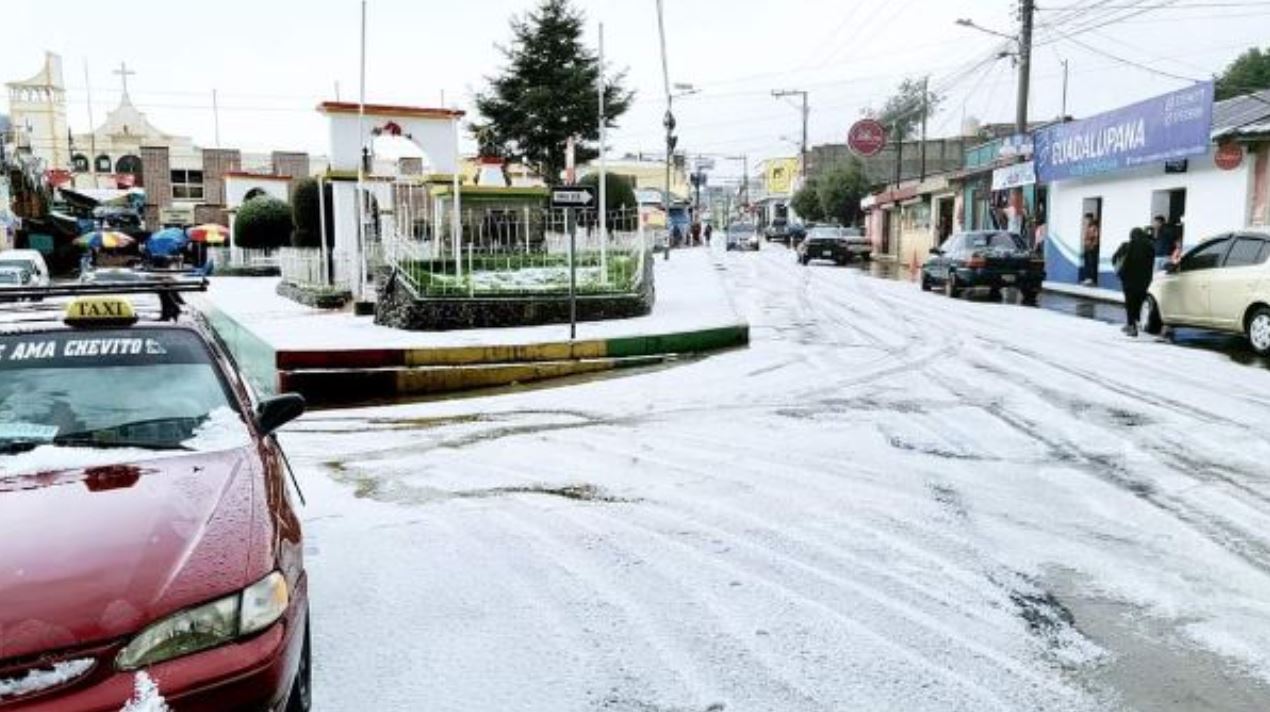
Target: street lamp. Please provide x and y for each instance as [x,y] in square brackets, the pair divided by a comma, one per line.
[967,22]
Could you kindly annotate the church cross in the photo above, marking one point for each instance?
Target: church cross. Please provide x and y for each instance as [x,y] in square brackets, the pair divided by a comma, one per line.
[124,73]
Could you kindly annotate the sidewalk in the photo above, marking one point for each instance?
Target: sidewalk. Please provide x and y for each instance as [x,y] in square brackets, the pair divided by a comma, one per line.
[1077,290]
[338,357]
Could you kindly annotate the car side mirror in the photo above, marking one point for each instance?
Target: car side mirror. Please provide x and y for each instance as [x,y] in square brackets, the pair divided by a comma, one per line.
[273,413]
[936,251]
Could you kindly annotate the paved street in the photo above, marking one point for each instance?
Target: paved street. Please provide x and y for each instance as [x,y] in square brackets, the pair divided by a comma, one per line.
[891,500]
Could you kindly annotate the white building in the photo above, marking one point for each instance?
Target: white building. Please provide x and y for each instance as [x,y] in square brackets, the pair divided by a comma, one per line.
[37,110]
[1224,188]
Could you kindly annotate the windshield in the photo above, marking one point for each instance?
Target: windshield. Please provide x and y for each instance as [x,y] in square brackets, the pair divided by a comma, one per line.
[12,276]
[97,390]
[741,230]
[993,241]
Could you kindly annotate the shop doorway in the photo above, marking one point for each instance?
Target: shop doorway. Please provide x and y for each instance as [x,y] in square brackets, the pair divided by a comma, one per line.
[1090,244]
[1172,205]
[943,220]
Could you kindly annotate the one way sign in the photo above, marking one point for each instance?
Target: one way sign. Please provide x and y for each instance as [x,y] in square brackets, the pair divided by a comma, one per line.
[572,196]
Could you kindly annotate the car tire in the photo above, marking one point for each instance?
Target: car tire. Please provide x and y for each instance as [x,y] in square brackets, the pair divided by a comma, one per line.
[1152,322]
[950,287]
[995,294]
[301,697]
[1258,330]
[1031,297]
[926,285]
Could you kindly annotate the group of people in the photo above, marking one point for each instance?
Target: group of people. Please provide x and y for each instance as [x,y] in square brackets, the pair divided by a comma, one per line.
[695,236]
[1147,251]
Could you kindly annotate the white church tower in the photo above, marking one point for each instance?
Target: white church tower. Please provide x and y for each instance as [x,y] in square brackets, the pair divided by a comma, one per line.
[37,110]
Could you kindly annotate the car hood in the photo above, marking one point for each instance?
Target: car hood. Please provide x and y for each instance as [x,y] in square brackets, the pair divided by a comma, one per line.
[94,554]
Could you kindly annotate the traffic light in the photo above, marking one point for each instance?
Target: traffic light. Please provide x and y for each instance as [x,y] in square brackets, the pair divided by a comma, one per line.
[671,139]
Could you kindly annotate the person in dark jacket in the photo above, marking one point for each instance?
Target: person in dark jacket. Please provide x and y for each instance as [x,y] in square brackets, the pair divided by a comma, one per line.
[1135,265]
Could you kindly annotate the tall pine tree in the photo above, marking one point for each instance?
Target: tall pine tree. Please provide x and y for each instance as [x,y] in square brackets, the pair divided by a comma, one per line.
[547,93]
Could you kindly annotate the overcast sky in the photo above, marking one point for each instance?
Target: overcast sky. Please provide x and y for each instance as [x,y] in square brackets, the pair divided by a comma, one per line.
[272,61]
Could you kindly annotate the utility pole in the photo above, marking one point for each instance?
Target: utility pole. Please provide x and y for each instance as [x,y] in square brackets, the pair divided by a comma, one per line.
[806,112]
[1062,116]
[1018,222]
[925,112]
[1025,65]
[216,118]
[92,127]
[604,203]
[669,121]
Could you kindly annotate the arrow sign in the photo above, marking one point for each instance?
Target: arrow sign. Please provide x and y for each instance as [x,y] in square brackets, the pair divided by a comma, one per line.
[572,196]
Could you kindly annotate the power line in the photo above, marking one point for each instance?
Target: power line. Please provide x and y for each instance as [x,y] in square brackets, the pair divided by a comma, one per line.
[1128,62]
[1177,6]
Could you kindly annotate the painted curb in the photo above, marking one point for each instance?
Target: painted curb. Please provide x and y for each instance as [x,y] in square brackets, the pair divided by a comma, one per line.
[351,376]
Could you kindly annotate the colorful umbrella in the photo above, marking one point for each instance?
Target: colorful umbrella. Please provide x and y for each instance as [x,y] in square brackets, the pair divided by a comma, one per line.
[166,242]
[210,233]
[104,239]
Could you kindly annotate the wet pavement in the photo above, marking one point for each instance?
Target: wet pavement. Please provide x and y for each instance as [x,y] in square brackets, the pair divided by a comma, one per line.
[1235,347]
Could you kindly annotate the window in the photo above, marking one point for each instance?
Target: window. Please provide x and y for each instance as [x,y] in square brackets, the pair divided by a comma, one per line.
[129,164]
[1247,251]
[102,163]
[1206,256]
[80,163]
[187,185]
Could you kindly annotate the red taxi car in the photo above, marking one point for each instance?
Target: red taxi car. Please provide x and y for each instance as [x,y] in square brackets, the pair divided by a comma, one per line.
[146,526]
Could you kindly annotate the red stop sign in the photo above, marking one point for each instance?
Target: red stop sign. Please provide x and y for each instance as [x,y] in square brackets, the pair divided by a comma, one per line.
[866,137]
[1229,156]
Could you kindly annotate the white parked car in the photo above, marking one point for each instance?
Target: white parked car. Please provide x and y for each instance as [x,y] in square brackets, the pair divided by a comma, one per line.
[1222,284]
[31,261]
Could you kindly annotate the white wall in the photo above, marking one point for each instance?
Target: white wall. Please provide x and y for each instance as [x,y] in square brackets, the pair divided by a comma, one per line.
[1216,201]
[435,136]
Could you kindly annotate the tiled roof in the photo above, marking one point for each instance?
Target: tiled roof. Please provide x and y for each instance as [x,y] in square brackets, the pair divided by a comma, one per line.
[1245,115]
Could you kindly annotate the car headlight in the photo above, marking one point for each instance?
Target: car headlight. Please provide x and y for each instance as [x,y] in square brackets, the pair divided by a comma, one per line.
[210,625]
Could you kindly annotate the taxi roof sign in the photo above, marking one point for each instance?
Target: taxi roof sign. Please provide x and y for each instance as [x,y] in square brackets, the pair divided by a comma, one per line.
[100,311]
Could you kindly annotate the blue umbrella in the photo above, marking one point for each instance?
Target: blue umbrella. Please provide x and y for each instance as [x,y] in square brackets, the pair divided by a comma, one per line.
[166,242]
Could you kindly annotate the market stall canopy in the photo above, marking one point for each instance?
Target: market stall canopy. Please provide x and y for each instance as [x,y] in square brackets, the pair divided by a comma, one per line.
[167,242]
[210,233]
[104,239]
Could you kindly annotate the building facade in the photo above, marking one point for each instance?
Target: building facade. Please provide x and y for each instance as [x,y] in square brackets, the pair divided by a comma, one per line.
[1202,187]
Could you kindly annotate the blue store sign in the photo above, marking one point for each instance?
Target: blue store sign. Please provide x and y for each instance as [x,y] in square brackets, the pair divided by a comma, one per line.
[1159,129]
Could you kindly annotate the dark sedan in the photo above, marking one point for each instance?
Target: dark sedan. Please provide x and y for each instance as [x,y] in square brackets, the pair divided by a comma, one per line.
[836,244]
[988,258]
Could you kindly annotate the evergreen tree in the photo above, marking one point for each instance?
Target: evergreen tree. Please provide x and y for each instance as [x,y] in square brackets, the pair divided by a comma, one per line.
[547,93]
[1249,72]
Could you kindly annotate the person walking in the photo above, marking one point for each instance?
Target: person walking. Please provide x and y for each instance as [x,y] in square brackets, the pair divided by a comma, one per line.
[1091,240]
[1135,264]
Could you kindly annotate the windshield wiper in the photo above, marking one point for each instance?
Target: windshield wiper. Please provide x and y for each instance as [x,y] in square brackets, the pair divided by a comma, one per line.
[13,447]
[87,440]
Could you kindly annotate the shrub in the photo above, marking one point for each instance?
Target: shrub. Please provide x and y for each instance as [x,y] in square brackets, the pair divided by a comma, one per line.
[263,223]
[305,207]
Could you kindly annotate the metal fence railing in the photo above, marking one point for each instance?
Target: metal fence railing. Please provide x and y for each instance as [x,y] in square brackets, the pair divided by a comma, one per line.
[524,252]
